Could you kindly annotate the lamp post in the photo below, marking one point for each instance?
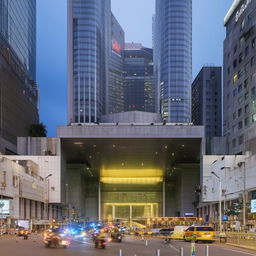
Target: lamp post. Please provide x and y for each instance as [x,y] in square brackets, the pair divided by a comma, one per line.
[46,198]
[244,193]
[220,195]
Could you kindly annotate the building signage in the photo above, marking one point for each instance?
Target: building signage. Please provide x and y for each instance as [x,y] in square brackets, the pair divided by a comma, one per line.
[116,47]
[189,214]
[253,206]
[4,207]
[242,9]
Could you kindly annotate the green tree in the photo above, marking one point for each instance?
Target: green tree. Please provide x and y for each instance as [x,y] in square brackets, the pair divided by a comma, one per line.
[37,130]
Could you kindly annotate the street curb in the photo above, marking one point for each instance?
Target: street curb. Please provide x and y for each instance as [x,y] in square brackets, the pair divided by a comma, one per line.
[243,246]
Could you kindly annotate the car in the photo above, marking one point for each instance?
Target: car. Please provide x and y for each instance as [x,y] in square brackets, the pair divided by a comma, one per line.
[166,231]
[200,233]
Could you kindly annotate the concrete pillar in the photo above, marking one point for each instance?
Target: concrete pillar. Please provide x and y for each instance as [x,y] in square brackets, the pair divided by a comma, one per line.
[99,203]
[130,213]
[163,199]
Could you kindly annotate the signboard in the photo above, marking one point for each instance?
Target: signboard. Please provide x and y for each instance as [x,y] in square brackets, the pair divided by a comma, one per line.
[5,207]
[116,47]
[242,9]
[224,218]
[189,214]
[253,206]
[23,223]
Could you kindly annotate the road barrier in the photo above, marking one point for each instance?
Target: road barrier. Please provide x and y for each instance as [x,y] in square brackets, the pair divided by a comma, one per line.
[158,252]
[120,252]
[181,252]
[146,243]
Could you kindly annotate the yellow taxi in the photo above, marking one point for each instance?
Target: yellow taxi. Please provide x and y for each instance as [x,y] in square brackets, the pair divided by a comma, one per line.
[200,233]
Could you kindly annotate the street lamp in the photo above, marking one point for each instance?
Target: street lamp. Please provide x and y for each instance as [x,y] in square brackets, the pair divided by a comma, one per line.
[244,193]
[46,198]
[220,195]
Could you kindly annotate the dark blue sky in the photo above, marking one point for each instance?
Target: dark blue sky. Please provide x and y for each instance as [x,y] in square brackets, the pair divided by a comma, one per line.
[135,16]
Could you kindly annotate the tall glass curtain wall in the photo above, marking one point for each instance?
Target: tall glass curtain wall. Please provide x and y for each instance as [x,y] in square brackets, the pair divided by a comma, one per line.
[173,46]
[18,28]
[89,58]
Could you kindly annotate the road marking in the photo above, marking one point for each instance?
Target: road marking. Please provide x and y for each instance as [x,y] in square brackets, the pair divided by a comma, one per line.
[171,246]
[237,251]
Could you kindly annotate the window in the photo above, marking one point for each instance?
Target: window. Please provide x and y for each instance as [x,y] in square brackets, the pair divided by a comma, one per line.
[240,99]
[234,63]
[241,57]
[246,108]
[254,117]
[235,77]
[234,115]
[239,112]
[234,143]
[240,73]
[246,121]
[235,48]
[240,87]
[240,139]
[234,92]
[240,125]
[246,83]
[253,42]
[246,51]
[247,67]
[252,61]
[246,95]
[253,92]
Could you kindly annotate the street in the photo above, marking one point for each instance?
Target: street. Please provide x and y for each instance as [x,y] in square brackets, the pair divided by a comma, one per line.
[130,246]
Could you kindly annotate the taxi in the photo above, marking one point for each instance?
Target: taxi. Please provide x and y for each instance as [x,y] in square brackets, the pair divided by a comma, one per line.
[200,233]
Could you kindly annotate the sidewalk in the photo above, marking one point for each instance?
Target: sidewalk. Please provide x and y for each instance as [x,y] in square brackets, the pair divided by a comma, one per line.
[242,246]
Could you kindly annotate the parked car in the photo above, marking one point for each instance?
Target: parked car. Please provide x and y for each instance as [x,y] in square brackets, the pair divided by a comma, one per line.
[166,231]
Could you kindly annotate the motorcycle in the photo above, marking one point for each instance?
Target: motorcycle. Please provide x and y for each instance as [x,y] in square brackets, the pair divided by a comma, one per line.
[100,243]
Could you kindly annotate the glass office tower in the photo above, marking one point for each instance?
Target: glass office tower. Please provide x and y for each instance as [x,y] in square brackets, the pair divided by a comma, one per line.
[18,89]
[89,25]
[139,93]
[173,58]
[18,29]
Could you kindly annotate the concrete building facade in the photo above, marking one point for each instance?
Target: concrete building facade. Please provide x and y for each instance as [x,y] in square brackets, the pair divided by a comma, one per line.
[239,69]
[30,185]
[237,176]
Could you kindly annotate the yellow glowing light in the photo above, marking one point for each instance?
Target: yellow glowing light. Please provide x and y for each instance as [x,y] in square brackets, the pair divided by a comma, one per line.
[126,172]
[131,180]
[78,143]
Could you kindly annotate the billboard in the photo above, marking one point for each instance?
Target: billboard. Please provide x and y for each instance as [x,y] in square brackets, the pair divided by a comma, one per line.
[253,206]
[4,207]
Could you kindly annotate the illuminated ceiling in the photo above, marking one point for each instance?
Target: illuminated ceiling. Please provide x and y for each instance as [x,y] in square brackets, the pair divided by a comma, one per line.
[129,157]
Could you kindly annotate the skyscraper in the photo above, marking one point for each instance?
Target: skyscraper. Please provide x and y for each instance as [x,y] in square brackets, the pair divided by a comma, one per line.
[239,69]
[173,58]
[18,89]
[207,100]
[89,40]
[139,92]
[115,89]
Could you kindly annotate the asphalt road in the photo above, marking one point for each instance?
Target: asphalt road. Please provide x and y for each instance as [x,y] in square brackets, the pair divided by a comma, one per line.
[17,246]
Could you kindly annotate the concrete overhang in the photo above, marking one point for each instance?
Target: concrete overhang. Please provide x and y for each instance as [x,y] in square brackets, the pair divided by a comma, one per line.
[125,146]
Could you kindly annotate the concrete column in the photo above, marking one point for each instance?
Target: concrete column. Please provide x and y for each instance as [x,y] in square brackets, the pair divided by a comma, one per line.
[99,203]
[130,214]
[163,199]
[113,212]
